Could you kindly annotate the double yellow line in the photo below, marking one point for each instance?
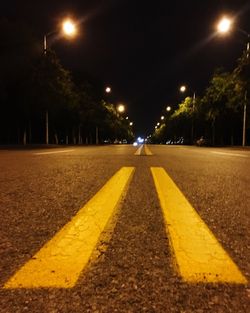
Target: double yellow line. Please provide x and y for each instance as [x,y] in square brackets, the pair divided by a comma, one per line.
[197,253]
[147,151]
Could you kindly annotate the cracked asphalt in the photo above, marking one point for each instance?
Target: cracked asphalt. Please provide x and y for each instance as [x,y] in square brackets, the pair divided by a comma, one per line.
[132,269]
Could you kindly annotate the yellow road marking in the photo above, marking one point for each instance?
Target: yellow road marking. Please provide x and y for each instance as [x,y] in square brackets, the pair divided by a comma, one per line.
[147,151]
[199,256]
[61,260]
[139,150]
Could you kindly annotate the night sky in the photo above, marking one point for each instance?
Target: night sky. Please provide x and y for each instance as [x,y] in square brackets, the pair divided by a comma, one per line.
[143,49]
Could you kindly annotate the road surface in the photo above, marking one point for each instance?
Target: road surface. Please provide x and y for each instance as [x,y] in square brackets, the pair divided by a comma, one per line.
[169,233]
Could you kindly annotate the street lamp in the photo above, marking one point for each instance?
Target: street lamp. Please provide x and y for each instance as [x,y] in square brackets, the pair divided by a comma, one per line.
[121,108]
[183,88]
[108,90]
[68,28]
[168,108]
[131,124]
[162,117]
[224,27]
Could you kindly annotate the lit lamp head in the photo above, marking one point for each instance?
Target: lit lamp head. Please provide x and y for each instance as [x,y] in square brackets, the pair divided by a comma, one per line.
[183,88]
[69,28]
[121,108]
[224,26]
[108,90]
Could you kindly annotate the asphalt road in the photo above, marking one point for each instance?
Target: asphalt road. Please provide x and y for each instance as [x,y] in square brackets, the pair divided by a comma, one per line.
[132,269]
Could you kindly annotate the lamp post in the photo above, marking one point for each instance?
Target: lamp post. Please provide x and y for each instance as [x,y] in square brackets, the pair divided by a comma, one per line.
[183,89]
[223,27]
[245,100]
[69,31]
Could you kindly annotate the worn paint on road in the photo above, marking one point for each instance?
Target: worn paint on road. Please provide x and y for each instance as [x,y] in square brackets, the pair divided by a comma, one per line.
[147,150]
[139,150]
[199,256]
[61,260]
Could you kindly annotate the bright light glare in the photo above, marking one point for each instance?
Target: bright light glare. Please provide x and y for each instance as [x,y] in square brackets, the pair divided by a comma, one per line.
[108,89]
[69,28]
[158,124]
[183,88]
[135,144]
[121,108]
[168,108]
[162,117]
[224,25]
[140,140]
[131,124]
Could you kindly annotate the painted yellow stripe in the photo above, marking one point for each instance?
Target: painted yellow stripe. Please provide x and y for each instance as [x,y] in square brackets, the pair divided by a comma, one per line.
[199,256]
[61,260]
[139,150]
[147,151]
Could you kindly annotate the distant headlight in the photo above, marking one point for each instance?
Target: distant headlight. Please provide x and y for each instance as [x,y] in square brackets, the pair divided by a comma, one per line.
[135,144]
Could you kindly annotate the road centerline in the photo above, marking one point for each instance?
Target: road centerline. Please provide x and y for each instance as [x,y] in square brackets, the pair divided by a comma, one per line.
[139,150]
[147,150]
[60,261]
[199,255]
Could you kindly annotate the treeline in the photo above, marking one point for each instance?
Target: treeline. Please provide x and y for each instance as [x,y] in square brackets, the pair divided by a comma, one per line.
[217,115]
[39,98]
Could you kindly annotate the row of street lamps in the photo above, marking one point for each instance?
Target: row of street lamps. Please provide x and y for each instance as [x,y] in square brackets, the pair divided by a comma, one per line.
[69,30]
[224,27]
[120,107]
[168,109]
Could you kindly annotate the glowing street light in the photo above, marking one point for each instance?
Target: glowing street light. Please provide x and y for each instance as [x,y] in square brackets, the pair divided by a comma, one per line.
[162,117]
[131,124]
[121,108]
[183,88]
[69,28]
[168,108]
[224,25]
[158,124]
[108,90]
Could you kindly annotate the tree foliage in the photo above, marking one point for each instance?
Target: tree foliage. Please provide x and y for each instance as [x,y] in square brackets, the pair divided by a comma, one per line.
[33,83]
